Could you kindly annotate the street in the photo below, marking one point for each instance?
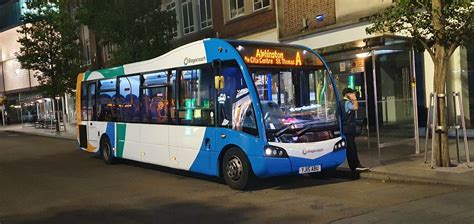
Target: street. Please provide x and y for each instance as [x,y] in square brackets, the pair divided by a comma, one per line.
[47,180]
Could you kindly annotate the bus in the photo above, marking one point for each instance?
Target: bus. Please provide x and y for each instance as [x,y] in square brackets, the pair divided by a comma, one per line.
[239,110]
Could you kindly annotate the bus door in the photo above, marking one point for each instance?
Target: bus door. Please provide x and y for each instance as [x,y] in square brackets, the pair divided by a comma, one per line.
[193,140]
[235,113]
[91,114]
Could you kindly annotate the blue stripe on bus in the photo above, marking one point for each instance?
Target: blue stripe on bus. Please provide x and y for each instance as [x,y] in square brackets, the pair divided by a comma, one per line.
[110,130]
[202,162]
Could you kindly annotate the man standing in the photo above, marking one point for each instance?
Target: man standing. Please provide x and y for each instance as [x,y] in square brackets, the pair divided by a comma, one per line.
[350,106]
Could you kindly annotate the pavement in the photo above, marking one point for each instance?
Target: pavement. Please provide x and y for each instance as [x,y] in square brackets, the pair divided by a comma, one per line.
[396,163]
[68,134]
[48,180]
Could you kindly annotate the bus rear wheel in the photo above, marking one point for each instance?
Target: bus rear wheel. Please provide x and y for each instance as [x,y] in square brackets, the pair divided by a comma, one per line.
[236,170]
[106,151]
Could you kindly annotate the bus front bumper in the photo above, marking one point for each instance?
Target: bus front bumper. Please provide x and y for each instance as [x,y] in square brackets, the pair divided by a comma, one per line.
[267,166]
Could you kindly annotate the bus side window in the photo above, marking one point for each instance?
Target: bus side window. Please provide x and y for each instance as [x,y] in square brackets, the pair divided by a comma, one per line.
[196,98]
[235,104]
[157,100]
[91,101]
[106,101]
[84,102]
[127,102]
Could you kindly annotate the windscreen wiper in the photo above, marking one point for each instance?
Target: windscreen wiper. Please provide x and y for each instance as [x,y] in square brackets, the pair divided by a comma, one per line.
[283,130]
[310,125]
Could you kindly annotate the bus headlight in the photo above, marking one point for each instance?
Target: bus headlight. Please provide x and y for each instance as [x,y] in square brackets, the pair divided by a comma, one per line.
[340,145]
[275,151]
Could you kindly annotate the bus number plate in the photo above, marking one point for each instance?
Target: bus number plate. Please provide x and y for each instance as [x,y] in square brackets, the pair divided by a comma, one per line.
[310,169]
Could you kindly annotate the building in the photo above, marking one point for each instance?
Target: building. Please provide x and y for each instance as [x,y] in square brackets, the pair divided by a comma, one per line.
[231,19]
[382,65]
[24,102]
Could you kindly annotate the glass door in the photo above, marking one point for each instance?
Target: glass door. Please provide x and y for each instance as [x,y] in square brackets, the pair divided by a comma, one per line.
[395,92]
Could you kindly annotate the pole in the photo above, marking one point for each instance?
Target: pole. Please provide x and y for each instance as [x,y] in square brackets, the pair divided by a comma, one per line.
[463,122]
[456,125]
[415,102]
[434,128]
[3,115]
[427,129]
[366,109]
[374,70]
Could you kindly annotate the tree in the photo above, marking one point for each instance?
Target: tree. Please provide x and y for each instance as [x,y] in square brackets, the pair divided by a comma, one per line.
[136,29]
[50,46]
[439,27]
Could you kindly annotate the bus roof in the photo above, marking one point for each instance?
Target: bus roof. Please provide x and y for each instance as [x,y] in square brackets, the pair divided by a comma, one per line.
[195,53]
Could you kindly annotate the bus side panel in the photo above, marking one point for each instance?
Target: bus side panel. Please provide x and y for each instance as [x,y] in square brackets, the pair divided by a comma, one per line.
[203,161]
[128,136]
[188,147]
[155,144]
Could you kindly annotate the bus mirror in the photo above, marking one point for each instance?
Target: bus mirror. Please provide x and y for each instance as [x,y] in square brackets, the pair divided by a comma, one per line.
[219,82]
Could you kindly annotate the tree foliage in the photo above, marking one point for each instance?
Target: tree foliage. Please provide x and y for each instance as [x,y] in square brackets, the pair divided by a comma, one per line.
[418,19]
[137,29]
[50,46]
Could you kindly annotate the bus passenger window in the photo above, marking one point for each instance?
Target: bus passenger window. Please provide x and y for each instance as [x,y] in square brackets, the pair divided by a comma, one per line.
[196,98]
[91,102]
[127,102]
[106,103]
[84,102]
[157,97]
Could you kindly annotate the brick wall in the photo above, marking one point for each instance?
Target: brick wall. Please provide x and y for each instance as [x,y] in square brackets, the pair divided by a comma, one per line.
[223,27]
[252,22]
[292,13]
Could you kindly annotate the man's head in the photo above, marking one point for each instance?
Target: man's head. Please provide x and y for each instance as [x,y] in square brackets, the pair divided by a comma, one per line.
[347,92]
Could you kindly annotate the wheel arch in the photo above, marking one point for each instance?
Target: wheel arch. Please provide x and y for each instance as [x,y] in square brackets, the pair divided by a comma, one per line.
[103,137]
[222,153]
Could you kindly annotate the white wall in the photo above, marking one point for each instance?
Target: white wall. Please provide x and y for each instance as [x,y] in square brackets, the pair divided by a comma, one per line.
[267,36]
[14,76]
[350,10]
[335,36]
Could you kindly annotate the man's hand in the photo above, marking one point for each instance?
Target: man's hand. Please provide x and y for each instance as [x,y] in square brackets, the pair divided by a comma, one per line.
[353,98]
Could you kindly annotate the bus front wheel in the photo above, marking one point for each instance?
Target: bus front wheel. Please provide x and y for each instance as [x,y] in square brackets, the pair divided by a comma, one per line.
[236,169]
[106,151]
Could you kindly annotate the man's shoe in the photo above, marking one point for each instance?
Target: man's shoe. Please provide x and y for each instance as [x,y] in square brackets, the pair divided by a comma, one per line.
[362,169]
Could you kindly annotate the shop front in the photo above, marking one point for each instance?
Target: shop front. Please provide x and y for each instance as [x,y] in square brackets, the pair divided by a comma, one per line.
[383,71]
[32,109]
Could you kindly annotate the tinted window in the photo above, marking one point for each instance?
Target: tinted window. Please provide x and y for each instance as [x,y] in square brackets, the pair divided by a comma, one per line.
[196,96]
[91,100]
[106,103]
[84,101]
[235,104]
[127,102]
[158,103]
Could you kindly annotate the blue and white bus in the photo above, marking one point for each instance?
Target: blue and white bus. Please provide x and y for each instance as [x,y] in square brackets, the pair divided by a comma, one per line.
[235,109]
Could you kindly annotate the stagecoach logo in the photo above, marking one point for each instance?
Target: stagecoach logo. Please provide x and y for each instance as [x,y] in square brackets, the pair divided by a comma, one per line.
[188,61]
[310,150]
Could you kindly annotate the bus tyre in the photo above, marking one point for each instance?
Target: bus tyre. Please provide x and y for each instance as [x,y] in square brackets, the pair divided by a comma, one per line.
[236,170]
[106,151]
